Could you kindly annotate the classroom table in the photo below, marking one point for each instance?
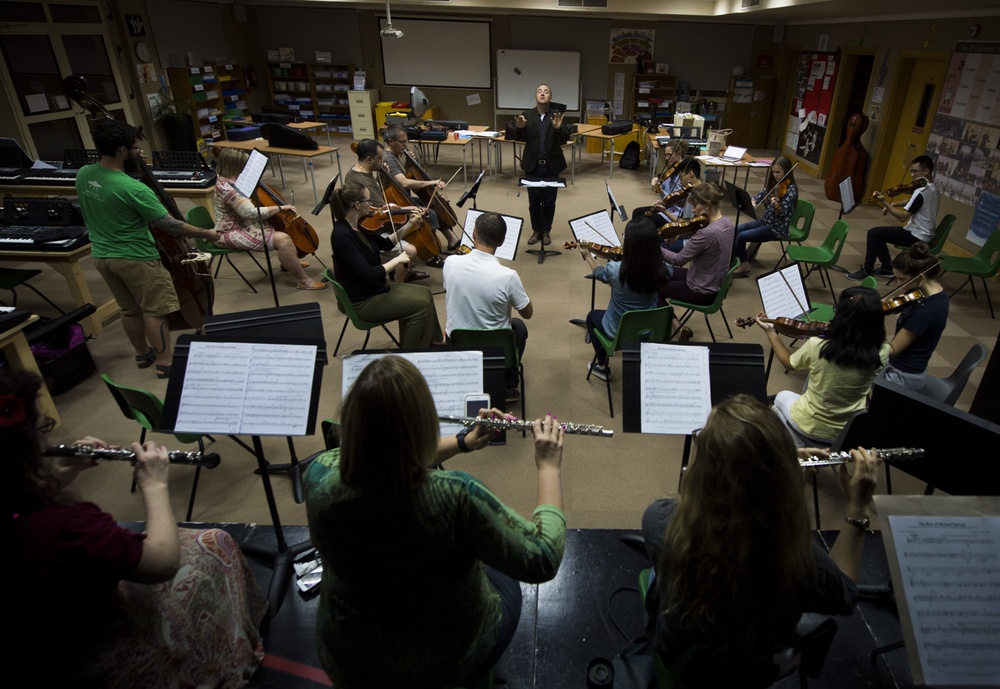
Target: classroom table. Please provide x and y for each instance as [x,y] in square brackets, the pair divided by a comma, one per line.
[745,163]
[605,138]
[300,126]
[306,155]
[198,196]
[15,347]
[451,140]
[68,264]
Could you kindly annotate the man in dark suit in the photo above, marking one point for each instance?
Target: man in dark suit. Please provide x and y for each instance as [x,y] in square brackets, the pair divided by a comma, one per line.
[542,157]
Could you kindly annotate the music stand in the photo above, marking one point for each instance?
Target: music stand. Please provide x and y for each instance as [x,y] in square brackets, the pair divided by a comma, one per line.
[558,183]
[281,555]
[741,201]
[247,184]
[325,198]
[615,206]
[508,250]
[599,229]
[473,192]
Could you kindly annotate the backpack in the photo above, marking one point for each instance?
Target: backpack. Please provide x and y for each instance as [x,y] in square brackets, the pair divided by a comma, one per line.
[630,157]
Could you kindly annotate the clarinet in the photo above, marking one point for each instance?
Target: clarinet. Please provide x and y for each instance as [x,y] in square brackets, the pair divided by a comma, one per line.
[889,454]
[207,460]
[506,424]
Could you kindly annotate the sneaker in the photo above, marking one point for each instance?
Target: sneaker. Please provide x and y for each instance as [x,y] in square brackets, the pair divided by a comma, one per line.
[858,275]
[883,272]
[511,395]
[599,371]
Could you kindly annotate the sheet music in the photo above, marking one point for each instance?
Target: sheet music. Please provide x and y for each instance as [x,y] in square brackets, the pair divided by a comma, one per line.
[450,375]
[847,202]
[559,183]
[948,569]
[242,388]
[779,301]
[674,388]
[597,228]
[508,250]
[615,204]
[252,172]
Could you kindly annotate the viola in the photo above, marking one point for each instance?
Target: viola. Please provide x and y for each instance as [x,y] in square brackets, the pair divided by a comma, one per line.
[789,327]
[674,198]
[668,171]
[303,235]
[383,219]
[672,230]
[192,278]
[893,304]
[918,183]
[850,160]
[613,253]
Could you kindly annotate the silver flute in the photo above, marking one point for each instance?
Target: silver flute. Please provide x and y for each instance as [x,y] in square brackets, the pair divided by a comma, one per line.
[208,460]
[506,424]
[891,453]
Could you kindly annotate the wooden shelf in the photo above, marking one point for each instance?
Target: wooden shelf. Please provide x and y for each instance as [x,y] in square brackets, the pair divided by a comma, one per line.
[318,91]
[660,87]
[208,93]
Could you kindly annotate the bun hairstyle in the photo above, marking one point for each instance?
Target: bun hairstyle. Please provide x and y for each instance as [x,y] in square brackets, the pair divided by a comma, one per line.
[344,198]
[708,193]
[918,260]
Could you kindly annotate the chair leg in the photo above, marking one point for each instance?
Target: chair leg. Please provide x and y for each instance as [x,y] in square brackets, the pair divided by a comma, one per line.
[241,274]
[368,333]
[888,481]
[524,414]
[709,324]
[725,322]
[988,302]
[607,382]
[962,286]
[218,266]
[829,282]
[262,269]
[391,336]
[341,338]
[784,254]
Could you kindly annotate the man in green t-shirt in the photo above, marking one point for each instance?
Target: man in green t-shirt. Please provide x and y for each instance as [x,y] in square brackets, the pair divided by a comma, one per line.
[118,210]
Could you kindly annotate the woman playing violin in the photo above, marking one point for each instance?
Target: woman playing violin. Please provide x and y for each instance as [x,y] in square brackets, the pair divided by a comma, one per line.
[921,322]
[634,284]
[841,368]
[238,220]
[777,212]
[358,265]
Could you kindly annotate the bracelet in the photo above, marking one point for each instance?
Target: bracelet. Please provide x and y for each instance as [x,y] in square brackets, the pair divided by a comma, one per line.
[460,439]
[862,524]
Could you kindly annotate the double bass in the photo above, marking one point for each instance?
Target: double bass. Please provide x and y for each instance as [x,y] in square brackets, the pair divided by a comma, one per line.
[437,202]
[849,160]
[192,278]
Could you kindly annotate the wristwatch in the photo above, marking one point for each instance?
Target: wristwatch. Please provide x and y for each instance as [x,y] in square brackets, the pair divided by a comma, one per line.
[460,440]
[862,524]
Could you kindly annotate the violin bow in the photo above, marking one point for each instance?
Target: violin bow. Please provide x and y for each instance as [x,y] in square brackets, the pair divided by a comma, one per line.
[794,295]
[392,223]
[915,277]
[598,233]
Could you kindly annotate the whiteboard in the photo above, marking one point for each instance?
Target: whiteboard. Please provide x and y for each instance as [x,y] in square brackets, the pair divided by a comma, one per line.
[519,72]
[437,53]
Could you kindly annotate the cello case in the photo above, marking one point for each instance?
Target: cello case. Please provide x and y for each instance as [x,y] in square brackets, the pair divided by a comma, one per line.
[849,160]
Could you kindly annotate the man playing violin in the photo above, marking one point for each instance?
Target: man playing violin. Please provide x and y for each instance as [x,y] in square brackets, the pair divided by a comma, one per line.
[680,203]
[542,158]
[364,172]
[669,180]
[919,215]
[118,211]
[393,158]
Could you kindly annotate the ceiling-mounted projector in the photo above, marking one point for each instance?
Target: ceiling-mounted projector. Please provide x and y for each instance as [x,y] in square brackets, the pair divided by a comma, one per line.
[389,32]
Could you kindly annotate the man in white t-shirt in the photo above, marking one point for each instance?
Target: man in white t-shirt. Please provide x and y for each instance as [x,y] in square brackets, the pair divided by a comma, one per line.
[481,292]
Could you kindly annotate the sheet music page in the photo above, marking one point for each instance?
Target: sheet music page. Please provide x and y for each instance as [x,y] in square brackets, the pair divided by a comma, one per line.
[597,228]
[559,182]
[674,388]
[450,375]
[242,388]
[506,251]
[783,299]
[847,201]
[948,569]
[252,172]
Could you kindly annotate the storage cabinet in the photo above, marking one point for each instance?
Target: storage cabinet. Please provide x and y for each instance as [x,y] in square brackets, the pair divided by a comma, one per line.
[652,93]
[361,104]
[208,93]
[316,91]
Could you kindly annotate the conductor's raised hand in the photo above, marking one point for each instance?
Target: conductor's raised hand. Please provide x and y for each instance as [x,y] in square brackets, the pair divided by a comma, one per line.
[520,121]
[557,119]
[548,442]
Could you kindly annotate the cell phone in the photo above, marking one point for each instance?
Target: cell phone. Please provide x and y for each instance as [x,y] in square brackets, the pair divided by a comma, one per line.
[473,403]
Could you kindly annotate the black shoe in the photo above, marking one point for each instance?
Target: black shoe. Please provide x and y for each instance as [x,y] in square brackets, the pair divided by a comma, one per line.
[883,272]
[858,275]
[435,262]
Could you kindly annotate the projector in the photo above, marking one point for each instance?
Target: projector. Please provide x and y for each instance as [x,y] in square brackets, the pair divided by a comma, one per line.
[389,32]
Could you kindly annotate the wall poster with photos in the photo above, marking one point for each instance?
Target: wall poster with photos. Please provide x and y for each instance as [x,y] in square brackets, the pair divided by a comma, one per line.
[965,135]
[807,123]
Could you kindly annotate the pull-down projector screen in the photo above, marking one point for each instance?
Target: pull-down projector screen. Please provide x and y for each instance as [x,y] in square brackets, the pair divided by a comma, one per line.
[436,52]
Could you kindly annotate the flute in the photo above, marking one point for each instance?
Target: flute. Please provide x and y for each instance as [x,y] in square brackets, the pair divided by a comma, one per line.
[887,454]
[505,424]
[201,459]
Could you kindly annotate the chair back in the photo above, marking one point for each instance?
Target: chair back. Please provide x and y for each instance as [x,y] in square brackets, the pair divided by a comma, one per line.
[143,406]
[501,337]
[948,390]
[345,305]
[835,240]
[990,255]
[941,234]
[650,325]
[800,225]
[200,217]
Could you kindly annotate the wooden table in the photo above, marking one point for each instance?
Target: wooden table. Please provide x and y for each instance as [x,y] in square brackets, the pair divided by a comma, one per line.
[300,126]
[306,155]
[605,138]
[68,264]
[452,141]
[15,347]
[198,196]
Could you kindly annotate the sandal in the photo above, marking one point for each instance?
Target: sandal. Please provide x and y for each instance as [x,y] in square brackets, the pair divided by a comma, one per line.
[162,371]
[145,360]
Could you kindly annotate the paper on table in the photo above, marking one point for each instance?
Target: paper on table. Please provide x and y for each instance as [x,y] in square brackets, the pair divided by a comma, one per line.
[506,251]
[674,386]
[781,299]
[597,228]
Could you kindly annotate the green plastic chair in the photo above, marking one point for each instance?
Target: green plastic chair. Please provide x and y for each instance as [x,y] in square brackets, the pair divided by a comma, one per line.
[983,265]
[347,308]
[146,409]
[824,312]
[715,306]
[200,217]
[799,227]
[941,233]
[823,257]
[501,337]
[648,325]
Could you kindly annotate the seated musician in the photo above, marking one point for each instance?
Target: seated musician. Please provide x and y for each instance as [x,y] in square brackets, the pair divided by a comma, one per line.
[365,173]
[357,260]
[394,157]
[669,180]
[708,251]
[734,562]
[776,213]
[97,605]
[238,220]
[690,176]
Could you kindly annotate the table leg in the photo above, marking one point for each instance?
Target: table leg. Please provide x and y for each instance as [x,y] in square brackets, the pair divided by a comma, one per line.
[72,272]
[312,174]
[281,171]
[611,165]
[19,356]
[305,172]
[329,142]
[465,174]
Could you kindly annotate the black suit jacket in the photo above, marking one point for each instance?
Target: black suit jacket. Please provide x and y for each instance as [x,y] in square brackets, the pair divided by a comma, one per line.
[554,155]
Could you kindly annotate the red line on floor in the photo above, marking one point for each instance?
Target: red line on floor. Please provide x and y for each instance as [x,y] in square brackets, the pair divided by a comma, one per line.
[290,667]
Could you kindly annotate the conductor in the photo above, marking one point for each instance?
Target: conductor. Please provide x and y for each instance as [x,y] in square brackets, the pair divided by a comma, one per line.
[542,158]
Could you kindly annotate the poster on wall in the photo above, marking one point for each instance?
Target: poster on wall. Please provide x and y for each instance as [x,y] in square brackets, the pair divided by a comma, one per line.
[632,45]
[807,122]
[965,135]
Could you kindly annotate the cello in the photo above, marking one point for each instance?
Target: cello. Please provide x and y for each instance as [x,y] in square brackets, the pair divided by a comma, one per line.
[437,202]
[849,160]
[191,276]
[422,238]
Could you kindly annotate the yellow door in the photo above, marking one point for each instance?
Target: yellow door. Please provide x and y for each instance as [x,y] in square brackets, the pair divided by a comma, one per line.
[914,126]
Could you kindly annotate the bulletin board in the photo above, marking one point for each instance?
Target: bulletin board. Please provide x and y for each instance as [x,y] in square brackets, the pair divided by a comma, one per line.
[807,122]
[519,72]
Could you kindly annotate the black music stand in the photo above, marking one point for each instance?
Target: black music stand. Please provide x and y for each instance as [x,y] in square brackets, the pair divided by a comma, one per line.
[248,184]
[542,252]
[473,192]
[734,369]
[741,202]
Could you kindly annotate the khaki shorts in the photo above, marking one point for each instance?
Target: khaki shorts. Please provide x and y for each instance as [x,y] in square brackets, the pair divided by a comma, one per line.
[140,287]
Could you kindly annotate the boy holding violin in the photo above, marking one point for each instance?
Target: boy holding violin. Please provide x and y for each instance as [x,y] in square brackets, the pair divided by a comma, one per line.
[919,215]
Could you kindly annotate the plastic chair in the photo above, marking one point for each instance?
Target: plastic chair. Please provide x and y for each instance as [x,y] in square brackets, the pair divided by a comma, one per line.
[715,306]
[503,338]
[12,278]
[799,227]
[983,265]
[824,256]
[347,308]
[146,409]
[200,217]
[651,325]
[824,312]
[941,233]
[948,390]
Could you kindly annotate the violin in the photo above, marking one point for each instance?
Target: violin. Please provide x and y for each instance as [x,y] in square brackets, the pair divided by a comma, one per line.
[918,183]
[672,230]
[780,188]
[674,198]
[893,304]
[383,219]
[789,327]
[303,235]
[613,253]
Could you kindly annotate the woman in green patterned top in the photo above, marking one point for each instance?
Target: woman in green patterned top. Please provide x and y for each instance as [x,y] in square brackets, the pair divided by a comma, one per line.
[420,567]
